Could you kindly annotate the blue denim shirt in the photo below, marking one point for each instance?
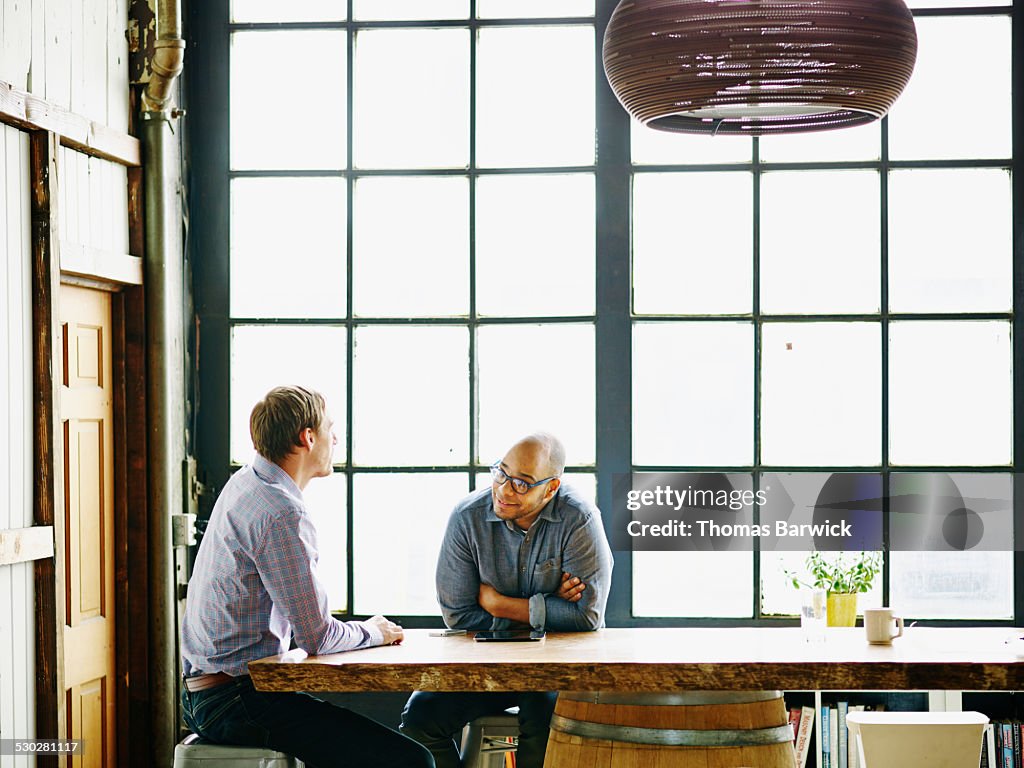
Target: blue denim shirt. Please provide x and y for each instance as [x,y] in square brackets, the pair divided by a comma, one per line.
[480,547]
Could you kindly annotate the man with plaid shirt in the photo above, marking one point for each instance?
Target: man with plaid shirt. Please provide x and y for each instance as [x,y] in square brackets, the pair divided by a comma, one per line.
[255,585]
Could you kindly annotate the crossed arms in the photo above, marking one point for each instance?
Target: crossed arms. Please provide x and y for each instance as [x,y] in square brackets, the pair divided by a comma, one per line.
[478,589]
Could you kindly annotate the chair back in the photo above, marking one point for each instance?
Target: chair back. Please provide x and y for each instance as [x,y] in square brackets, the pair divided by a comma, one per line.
[918,739]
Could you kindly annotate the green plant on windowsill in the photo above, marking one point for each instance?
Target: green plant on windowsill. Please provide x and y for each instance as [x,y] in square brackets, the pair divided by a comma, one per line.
[842,579]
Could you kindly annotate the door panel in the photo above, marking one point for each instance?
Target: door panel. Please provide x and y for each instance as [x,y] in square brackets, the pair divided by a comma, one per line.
[87,413]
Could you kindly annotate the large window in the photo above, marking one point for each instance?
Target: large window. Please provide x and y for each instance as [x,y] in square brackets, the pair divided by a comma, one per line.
[435,213]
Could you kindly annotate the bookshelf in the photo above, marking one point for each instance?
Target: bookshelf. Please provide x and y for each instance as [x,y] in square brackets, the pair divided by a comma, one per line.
[997,705]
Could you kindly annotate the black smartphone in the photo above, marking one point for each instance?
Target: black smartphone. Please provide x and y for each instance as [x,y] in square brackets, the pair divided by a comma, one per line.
[509,635]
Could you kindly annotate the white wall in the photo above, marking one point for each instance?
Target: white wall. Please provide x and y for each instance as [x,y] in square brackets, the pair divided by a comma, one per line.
[17,627]
[93,205]
[72,53]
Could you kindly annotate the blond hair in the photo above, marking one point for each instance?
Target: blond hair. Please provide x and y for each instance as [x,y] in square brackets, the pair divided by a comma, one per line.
[277,420]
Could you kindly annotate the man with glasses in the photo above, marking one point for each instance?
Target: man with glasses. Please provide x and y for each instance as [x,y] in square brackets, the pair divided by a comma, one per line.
[527,551]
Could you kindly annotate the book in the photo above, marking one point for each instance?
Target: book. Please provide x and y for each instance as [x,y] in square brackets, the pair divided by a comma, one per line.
[826,749]
[803,736]
[1006,756]
[794,722]
[833,735]
[841,709]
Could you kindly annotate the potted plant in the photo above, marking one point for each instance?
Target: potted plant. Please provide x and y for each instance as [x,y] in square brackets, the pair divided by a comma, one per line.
[842,579]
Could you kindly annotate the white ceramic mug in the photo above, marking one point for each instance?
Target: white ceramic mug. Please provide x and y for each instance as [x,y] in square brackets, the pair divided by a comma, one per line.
[878,625]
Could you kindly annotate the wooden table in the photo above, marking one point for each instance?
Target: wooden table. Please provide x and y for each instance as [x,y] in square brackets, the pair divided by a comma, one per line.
[653,660]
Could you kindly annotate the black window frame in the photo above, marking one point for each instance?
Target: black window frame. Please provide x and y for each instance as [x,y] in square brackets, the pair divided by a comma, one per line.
[206,95]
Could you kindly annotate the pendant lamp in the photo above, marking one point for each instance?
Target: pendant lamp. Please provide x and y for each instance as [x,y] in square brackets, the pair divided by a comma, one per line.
[758,67]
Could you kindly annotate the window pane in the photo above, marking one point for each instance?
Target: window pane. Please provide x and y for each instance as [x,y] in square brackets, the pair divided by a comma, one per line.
[692,243]
[268,356]
[821,394]
[693,394]
[952,585]
[535,245]
[411,247]
[922,123]
[652,147]
[950,241]
[410,396]
[428,127]
[533,9]
[325,501]
[536,377]
[802,498]
[389,10]
[805,266]
[295,222]
[280,62]
[535,96]
[396,543]
[728,594]
[294,10]
[950,393]
[780,598]
[864,142]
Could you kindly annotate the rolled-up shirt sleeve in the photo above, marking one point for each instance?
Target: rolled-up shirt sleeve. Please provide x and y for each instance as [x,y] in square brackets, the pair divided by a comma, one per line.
[287,561]
[458,580]
[588,557]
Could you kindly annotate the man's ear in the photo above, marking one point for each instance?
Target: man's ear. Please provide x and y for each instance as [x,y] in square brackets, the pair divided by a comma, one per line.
[307,438]
[553,486]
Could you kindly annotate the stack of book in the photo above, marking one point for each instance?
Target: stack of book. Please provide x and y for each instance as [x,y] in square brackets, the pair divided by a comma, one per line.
[837,748]
[1002,745]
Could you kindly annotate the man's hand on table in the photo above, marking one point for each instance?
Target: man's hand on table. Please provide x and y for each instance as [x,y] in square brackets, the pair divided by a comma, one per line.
[571,589]
[392,632]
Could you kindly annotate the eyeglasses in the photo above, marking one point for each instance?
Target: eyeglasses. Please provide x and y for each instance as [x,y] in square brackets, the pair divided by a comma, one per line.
[519,486]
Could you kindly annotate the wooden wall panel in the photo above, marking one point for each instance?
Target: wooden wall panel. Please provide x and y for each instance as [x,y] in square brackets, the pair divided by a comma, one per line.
[57,18]
[117,64]
[73,53]
[37,34]
[94,60]
[5,345]
[76,45]
[15,47]
[94,203]
[17,626]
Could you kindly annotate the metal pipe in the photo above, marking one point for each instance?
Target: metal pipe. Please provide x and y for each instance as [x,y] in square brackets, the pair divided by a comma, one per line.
[165,385]
[165,392]
[168,57]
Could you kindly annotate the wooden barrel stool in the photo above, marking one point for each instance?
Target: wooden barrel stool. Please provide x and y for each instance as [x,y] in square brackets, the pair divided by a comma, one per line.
[709,729]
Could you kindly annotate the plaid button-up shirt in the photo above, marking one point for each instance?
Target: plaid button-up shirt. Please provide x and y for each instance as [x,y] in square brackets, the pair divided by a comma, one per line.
[254,581]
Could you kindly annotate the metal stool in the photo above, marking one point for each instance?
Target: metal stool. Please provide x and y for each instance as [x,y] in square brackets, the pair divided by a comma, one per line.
[918,739]
[487,739]
[194,752]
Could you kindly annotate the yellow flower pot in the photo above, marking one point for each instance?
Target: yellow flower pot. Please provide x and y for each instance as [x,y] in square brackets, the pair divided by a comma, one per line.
[842,609]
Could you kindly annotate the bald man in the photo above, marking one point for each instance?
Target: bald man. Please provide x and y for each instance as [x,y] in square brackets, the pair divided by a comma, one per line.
[528,551]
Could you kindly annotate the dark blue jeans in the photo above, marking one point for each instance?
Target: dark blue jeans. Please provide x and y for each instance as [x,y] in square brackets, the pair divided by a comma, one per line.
[436,719]
[318,733]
